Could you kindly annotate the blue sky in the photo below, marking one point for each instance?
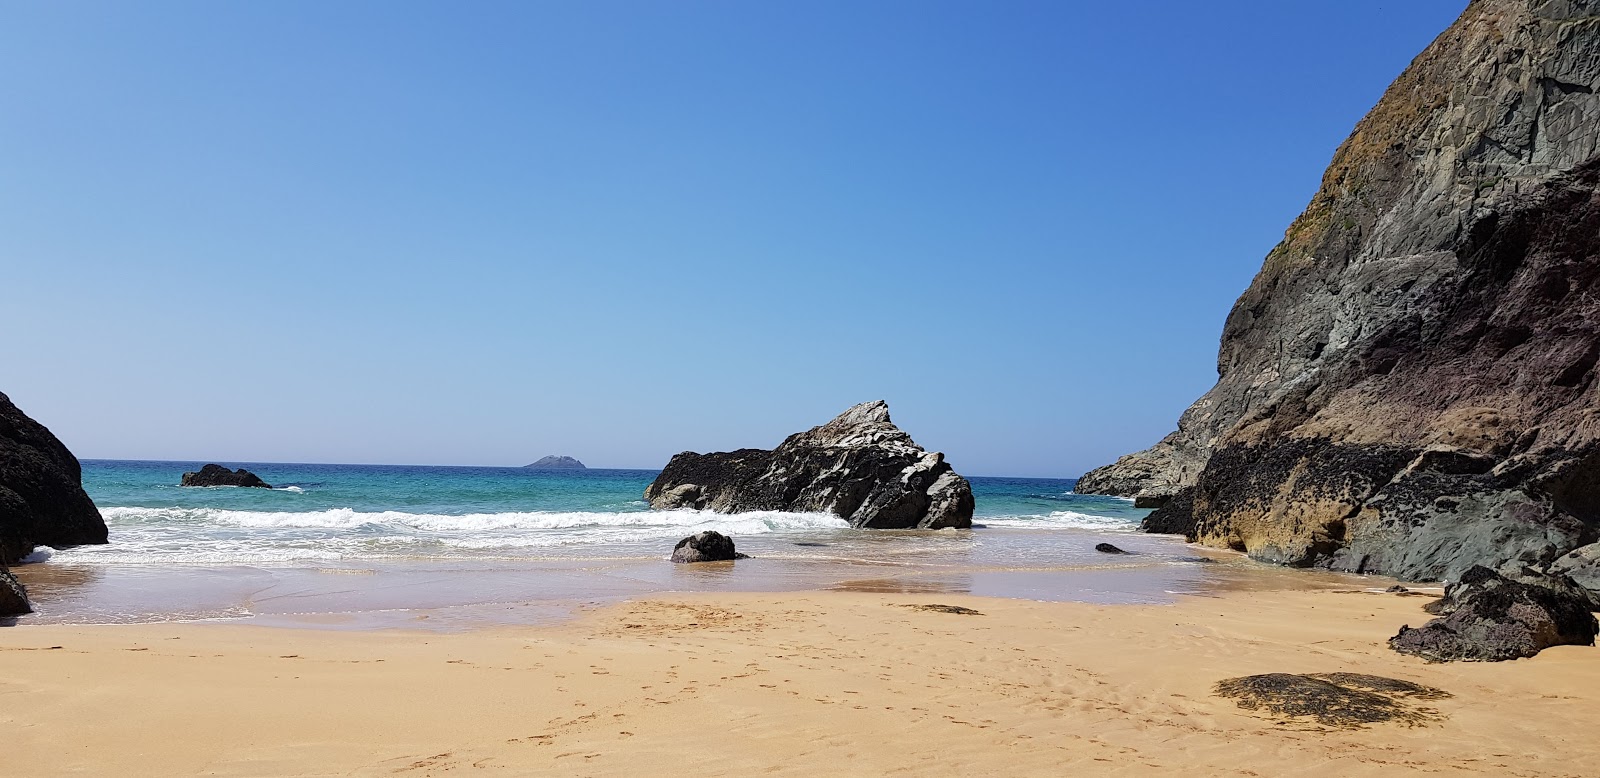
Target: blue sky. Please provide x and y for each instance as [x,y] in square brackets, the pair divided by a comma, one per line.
[479,233]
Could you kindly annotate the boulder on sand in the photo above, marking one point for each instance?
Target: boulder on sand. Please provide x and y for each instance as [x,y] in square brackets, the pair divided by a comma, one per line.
[709,546]
[1486,617]
[217,475]
[13,598]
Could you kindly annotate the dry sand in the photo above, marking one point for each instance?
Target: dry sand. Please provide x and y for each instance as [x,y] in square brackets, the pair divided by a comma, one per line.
[826,682]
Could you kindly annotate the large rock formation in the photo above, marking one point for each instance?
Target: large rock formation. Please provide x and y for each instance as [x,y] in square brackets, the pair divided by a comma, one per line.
[13,597]
[217,475]
[1408,386]
[556,463]
[42,502]
[859,466]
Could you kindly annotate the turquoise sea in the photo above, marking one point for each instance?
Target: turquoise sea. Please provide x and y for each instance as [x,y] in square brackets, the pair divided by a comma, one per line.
[445,547]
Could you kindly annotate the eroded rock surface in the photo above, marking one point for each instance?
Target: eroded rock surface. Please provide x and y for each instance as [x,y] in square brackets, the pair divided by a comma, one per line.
[859,466]
[1408,386]
[217,475]
[42,502]
[1487,617]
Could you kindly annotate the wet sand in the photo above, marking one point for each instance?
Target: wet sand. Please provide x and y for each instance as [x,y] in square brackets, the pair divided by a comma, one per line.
[829,682]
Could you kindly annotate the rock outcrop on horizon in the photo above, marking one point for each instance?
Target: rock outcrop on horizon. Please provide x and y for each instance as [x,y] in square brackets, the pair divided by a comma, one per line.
[42,502]
[217,475]
[859,466]
[556,463]
[1408,387]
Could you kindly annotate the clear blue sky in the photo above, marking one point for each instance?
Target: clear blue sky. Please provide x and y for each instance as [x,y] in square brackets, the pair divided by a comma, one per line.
[479,233]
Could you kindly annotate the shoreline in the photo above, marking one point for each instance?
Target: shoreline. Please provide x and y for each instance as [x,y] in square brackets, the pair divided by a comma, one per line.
[832,682]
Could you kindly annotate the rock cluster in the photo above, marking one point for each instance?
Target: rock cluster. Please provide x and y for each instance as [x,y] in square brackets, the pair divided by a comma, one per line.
[1408,387]
[1486,617]
[859,466]
[556,463]
[708,546]
[217,475]
[42,502]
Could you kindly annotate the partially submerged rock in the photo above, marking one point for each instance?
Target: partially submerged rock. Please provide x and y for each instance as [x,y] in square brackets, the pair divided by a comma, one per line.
[13,597]
[42,502]
[1343,700]
[708,546]
[956,610]
[859,466]
[1107,548]
[1486,617]
[217,475]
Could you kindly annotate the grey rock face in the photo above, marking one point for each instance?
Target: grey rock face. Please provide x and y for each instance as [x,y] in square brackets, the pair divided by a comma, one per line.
[1407,386]
[557,463]
[1486,617]
[1582,566]
[859,466]
[42,502]
[13,598]
[707,546]
[217,475]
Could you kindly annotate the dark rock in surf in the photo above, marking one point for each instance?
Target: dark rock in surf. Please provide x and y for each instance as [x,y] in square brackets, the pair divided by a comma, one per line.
[707,546]
[217,475]
[1486,617]
[556,463]
[42,502]
[13,597]
[860,467]
[1107,548]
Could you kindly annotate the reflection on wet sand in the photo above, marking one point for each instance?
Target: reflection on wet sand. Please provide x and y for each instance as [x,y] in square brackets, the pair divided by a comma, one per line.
[908,585]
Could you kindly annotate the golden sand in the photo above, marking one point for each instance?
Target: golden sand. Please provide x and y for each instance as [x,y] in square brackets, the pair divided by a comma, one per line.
[834,683]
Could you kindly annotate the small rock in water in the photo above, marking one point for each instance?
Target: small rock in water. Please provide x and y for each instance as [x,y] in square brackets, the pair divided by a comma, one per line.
[217,475]
[1107,548]
[13,598]
[708,546]
[1397,589]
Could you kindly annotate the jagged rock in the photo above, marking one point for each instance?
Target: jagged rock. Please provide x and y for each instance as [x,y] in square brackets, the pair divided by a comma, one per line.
[1107,548]
[217,475]
[859,467]
[42,502]
[13,597]
[1582,566]
[1486,617]
[708,546]
[1408,385]
[556,463]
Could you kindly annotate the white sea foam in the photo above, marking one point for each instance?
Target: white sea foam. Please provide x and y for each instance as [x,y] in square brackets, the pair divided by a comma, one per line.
[758,522]
[1063,520]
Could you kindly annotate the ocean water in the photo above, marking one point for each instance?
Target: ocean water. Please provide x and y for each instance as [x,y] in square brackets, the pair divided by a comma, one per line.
[358,544]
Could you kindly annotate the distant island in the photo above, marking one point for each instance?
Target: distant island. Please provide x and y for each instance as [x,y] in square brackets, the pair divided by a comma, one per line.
[557,463]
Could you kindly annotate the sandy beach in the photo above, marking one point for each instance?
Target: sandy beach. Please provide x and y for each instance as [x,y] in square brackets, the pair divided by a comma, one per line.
[785,683]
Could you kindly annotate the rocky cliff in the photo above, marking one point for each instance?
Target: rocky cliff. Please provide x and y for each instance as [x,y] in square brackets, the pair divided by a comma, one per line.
[1408,385]
[42,502]
[859,466]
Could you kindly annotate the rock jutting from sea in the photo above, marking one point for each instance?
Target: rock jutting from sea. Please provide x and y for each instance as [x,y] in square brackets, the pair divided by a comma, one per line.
[42,502]
[860,467]
[556,463]
[217,475]
[1408,387]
